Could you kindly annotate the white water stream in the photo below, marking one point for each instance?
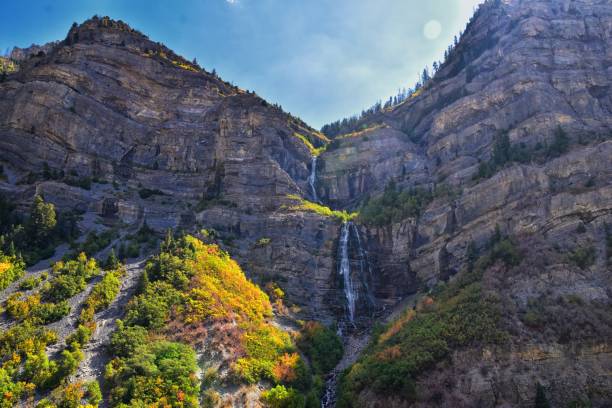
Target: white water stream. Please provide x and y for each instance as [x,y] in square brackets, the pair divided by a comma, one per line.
[312,179]
[345,271]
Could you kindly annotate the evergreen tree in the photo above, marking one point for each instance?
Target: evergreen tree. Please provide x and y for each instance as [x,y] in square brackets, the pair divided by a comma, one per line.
[169,243]
[425,76]
[42,219]
[560,143]
[501,150]
[540,400]
[144,282]
[111,261]
[471,254]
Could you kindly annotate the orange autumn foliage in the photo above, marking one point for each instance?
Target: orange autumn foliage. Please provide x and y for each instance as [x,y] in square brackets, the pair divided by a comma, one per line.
[284,369]
[389,354]
[397,326]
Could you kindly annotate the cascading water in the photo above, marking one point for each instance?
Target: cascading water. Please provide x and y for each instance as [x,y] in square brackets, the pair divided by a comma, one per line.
[329,397]
[312,179]
[364,265]
[345,271]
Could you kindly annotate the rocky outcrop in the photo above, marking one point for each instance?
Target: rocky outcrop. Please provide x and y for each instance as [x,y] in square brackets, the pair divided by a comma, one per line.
[154,138]
[115,126]
[355,165]
[522,68]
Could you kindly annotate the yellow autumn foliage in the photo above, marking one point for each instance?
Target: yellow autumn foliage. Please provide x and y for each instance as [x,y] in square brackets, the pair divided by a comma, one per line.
[220,290]
[11,269]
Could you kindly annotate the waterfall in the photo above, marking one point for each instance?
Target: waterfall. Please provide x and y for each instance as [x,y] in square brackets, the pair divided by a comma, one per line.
[345,270]
[365,275]
[312,179]
[364,265]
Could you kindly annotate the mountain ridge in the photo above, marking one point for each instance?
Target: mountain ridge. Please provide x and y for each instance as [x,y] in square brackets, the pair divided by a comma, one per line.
[496,174]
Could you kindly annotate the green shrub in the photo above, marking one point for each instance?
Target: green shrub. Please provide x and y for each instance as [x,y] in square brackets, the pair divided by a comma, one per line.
[282,397]
[322,346]
[51,312]
[560,144]
[68,364]
[394,206]
[535,315]
[36,237]
[11,268]
[95,242]
[583,257]
[308,206]
[80,337]
[105,291]
[504,152]
[130,249]
[81,182]
[94,394]
[30,282]
[112,262]
[171,269]
[262,242]
[154,372]
[151,309]
[145,235]
[145,193]
[506,251]
[211,399]
[42,220]
[70,278]
[540,399]
[64,287]
[457,315]
[126,339]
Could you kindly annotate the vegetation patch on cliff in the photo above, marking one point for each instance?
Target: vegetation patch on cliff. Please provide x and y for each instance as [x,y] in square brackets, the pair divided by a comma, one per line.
[35,236]
[505,153]
[11,269]
[26,367]
[188,292]
[315,151]
[309,206]
[454,316]
[394,205]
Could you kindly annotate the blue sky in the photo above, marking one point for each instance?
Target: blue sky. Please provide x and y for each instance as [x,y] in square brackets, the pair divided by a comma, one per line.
[320,59]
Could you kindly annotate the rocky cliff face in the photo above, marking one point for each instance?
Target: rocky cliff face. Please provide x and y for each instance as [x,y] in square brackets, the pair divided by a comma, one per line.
[522,69]
[154,138]
[109,107]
